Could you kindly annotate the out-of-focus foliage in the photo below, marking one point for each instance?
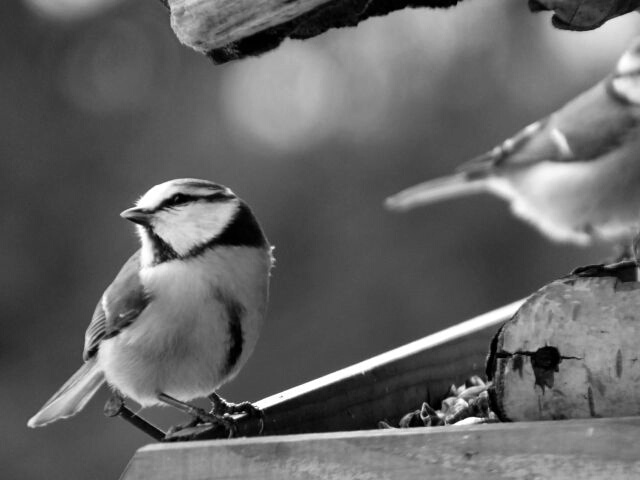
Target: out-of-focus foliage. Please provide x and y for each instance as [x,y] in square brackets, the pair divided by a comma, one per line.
[97,107]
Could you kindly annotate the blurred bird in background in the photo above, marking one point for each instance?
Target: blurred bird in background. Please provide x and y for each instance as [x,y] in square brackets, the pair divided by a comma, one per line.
[575,174]
[184,313]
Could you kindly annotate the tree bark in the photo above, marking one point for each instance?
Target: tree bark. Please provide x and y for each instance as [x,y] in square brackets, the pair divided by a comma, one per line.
[571,351]
[230,29]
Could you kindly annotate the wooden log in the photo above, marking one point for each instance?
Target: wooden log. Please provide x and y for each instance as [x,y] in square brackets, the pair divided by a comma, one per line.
[572,350]
[570,449]
[206,24]
[229,29]
[384,387]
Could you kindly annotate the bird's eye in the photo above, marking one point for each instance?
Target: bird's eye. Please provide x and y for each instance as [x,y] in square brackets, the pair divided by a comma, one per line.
[178,198]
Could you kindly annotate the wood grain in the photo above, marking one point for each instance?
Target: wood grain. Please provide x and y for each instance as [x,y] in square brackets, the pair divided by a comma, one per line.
[593,324]
[230,29]
[209,24]
[384,387]
[569,449]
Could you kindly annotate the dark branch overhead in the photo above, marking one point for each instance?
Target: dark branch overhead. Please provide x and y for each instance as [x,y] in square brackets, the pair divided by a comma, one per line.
[232,29]
[227,30]
[336,14]
[583,14]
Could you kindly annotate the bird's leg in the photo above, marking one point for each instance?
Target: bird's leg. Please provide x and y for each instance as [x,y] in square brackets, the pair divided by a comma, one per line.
[198,415]
[635,253]
[621,267]
[624,252]
[115,407]
[222,407]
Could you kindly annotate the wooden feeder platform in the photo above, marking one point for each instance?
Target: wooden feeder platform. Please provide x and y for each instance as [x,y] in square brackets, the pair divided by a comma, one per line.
[572,449]
[326,428]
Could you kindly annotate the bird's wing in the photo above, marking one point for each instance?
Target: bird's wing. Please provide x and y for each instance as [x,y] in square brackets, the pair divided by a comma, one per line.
[585,129]
[120,305]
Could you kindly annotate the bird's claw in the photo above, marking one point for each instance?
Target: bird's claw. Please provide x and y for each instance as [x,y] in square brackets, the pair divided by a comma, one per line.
[201,418]
[588,270]
[215,419]
[222,407]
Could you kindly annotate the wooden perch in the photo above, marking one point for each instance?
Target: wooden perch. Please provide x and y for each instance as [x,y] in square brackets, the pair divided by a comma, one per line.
[573,449]
[384,387]
[389,385]
[230,29]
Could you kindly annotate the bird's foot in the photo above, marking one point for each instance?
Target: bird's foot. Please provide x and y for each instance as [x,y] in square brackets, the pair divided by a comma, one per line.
[221,407]
[594,270]
[183,426]
[625,271]
[199,416]
[204,419]
[624,252]
[115,407]
[625,255]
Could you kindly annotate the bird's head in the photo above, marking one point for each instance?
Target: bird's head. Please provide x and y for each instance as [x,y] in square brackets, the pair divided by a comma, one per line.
[626,79]
[182,218]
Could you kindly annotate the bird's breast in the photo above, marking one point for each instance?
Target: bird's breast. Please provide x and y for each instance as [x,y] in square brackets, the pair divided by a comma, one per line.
[199,328]
[572,201]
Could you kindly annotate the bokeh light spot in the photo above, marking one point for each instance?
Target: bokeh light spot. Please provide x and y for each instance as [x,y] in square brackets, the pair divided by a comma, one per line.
[286,99]
[109,70]
[69,9]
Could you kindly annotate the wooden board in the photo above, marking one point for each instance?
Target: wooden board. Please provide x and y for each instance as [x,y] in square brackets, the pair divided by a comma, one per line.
[569,449]
[384,387]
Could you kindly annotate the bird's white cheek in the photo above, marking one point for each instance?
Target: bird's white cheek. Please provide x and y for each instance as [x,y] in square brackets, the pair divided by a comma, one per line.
[146,250]
[180,233]
[193,225]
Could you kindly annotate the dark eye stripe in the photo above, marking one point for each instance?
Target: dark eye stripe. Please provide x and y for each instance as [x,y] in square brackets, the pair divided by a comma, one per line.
[204,184]
[183,198]
[218,196]
[177,199]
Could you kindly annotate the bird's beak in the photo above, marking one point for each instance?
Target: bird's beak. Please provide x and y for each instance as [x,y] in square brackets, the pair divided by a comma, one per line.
[137,215]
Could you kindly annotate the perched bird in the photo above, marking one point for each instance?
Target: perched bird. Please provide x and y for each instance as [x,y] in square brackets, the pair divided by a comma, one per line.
[184,313]
[575,174]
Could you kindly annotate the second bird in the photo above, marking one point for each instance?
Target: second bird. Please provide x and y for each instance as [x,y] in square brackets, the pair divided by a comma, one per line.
[575,174]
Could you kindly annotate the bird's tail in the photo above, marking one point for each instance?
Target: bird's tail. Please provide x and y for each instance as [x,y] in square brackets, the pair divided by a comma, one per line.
[72,396]
[436,190]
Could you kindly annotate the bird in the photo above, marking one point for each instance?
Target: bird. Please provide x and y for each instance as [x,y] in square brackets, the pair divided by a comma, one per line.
[184,313]
[574,175]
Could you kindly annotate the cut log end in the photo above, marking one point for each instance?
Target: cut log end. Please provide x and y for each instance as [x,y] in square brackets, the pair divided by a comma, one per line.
[571,351]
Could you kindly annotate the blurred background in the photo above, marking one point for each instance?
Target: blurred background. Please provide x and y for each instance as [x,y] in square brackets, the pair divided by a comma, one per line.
[98,102]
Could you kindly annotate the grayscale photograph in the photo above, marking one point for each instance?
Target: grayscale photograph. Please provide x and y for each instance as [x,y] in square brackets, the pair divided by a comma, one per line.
[320,239]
